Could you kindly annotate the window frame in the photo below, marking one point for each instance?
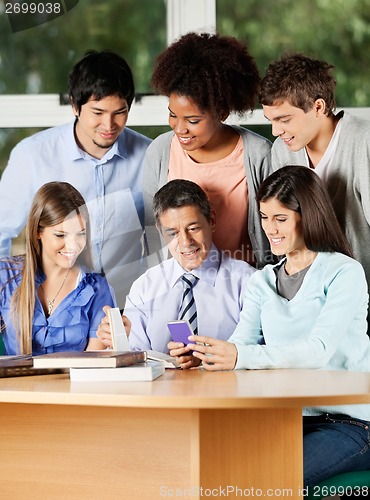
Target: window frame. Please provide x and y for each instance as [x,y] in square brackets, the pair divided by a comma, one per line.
[47,110]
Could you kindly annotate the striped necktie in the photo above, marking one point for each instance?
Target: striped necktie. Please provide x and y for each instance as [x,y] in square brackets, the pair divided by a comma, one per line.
[188,309]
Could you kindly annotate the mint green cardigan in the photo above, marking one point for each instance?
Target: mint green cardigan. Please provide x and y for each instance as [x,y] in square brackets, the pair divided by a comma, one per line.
[323,327]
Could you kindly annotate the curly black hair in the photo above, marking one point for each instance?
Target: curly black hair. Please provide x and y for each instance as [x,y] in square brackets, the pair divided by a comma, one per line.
[215,71]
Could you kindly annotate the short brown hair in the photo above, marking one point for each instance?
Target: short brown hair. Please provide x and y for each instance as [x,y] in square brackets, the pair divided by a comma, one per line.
[180,193]
[300,80]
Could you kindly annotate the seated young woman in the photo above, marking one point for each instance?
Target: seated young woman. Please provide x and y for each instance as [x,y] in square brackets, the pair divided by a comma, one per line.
[307,311]
[49,298]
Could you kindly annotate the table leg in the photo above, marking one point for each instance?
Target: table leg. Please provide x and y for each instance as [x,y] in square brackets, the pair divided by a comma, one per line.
[252,450]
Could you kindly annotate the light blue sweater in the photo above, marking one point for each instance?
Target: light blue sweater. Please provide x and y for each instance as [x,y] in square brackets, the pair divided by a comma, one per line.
[323,326]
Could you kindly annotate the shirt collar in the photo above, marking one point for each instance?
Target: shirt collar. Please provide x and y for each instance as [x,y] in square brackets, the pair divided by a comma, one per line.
[119,148]
[72,150]
[206,272]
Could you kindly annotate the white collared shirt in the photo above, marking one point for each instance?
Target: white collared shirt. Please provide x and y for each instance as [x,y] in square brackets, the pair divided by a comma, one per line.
[155,299]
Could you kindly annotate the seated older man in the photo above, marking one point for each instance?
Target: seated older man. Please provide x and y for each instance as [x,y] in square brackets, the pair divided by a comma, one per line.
[199,278]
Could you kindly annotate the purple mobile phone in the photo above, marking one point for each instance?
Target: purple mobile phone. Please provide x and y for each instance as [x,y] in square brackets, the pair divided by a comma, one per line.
[180,331]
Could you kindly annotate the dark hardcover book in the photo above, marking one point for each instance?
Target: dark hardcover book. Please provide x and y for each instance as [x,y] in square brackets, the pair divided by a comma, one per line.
[20,366]
[12,361]
[89,359]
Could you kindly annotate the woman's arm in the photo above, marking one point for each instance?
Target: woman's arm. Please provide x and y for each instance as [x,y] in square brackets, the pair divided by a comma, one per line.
[223,355]
[345,302]
[95,345]
[316,339]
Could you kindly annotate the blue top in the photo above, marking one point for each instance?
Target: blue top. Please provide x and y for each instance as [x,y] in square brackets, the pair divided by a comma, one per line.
[111,186]
[323,326]
[73,322]
[155,299]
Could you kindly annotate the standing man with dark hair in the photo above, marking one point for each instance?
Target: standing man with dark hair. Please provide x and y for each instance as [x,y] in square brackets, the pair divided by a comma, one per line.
[100,157]
[298,97]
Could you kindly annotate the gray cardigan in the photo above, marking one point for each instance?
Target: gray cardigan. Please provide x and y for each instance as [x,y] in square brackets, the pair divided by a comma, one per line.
[257,168]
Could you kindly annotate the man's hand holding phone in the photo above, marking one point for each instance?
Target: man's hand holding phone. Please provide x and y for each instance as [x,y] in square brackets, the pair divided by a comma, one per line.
[180,331]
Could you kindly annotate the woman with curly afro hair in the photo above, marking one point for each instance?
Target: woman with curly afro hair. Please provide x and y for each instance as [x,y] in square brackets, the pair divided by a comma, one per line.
[206,77]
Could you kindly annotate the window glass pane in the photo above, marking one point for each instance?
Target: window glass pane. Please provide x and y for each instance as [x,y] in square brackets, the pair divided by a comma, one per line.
[337,31]
[8,139]
[37,58]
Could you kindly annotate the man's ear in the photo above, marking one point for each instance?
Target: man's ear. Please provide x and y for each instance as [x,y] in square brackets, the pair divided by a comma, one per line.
[213,220]
[74,108]
[320,106]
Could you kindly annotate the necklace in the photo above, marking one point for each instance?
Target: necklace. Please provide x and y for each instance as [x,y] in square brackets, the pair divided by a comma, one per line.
[52,301]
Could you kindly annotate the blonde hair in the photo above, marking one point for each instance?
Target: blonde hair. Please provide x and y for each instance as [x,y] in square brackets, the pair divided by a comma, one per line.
[52,204]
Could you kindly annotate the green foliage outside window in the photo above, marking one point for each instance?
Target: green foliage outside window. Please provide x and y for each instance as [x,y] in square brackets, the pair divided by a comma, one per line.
[37,60]
[337,31]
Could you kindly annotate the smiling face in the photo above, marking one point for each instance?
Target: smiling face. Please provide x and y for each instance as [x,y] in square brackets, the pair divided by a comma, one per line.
[194,129]
[100,123]
[283,228]
[295,127]
[188,235]
[62,244]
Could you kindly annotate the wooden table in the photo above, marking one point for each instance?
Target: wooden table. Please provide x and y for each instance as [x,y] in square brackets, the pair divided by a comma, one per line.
[188,434]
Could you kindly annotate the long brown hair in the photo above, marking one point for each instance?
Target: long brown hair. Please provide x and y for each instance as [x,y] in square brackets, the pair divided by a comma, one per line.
[300,189]
[52,204]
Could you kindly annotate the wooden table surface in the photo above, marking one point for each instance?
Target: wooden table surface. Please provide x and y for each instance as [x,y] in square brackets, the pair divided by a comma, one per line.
[198,389]
[185,434]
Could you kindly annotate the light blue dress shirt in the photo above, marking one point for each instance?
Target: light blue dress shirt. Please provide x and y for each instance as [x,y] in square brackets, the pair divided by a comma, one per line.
[324,325]
[155,299]
[111,186]
[74,321]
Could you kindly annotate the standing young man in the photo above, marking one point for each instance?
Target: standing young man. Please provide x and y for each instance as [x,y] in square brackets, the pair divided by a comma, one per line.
[99,156]
[298,98]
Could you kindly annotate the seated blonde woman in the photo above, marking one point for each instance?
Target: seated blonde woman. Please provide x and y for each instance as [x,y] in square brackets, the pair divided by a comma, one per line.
[49,299]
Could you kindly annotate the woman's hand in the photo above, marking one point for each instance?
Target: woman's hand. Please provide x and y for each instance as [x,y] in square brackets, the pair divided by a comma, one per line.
[103,331]
[181,352]
[215,354]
